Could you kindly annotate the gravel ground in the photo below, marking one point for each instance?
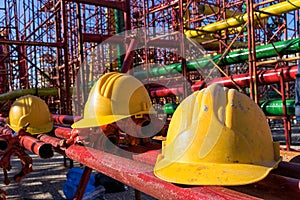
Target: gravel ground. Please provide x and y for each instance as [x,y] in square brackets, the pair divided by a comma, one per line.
[47,179]
[45,182]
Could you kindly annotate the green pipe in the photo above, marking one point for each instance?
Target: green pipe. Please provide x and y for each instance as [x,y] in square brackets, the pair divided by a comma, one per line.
[40,92]
[274,107]
[119,18]
[269,107]
[238,56]
[170,108]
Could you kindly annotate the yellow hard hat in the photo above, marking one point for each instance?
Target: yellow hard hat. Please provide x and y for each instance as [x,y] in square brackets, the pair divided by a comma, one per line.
[217,137]
[115,96]
[33,110]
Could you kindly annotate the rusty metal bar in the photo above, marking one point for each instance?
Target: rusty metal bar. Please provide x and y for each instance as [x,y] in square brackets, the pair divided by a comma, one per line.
[162,92]
[98,38]
[140,176]
[83,183]
[128,60]
[65,119]
[55,142]
[49,140]
[31,43]
[36,146]
[62,132]
[285,119]
[66,94]
[120,5]
[252,51]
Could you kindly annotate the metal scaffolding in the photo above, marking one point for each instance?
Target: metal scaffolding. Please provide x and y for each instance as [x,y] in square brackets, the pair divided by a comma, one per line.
[61,44]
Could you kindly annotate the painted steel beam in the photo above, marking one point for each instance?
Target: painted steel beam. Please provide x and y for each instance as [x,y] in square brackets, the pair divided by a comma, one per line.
[98,38]
[120,5]
[31,43]
[138,173]
[140,176]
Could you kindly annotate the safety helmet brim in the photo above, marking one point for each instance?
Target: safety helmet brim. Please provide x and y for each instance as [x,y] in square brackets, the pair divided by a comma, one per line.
[104,120]
[35,130]
[211,173]
[93,122]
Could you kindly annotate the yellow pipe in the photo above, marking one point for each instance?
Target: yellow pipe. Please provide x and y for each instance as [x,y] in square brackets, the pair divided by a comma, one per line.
[209,10]
[215,44]
[282,7]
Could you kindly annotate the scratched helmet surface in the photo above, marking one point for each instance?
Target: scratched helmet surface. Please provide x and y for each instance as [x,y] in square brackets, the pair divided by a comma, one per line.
[115,96]
[30,109]
[217,136]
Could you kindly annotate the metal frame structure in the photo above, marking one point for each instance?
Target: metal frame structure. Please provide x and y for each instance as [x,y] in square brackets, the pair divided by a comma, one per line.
[51,48]
[53,43]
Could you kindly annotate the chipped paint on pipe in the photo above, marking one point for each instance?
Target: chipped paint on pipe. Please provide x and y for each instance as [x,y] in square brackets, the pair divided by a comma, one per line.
[140,176]
[36,146]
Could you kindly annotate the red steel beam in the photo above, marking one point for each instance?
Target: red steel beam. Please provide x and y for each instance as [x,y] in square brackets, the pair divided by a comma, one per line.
[140,176]
[162,6]
[3,70]
[31,43]
[98,38]
[128,60]
[120,5]
[162,92]
[281,183]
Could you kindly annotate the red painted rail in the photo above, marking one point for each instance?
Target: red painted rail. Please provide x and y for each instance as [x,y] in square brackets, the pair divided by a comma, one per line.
[137,172]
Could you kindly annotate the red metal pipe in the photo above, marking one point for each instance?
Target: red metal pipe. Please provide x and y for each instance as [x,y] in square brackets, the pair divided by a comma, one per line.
[243,80]
[272,187]
[31,43]
[62,132]
[3,72]
[83,183]
[288,169]
[55,142]
[161,92]
[282,183]
[3,119]
[120,5]
[4,141]
[140,176]
[65,119]
[36,146]
[285,119]
[128,60]
[3,145]
[5,131]
[90,37]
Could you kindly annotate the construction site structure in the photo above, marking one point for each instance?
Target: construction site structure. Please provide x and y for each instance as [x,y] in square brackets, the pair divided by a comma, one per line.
[57,49]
